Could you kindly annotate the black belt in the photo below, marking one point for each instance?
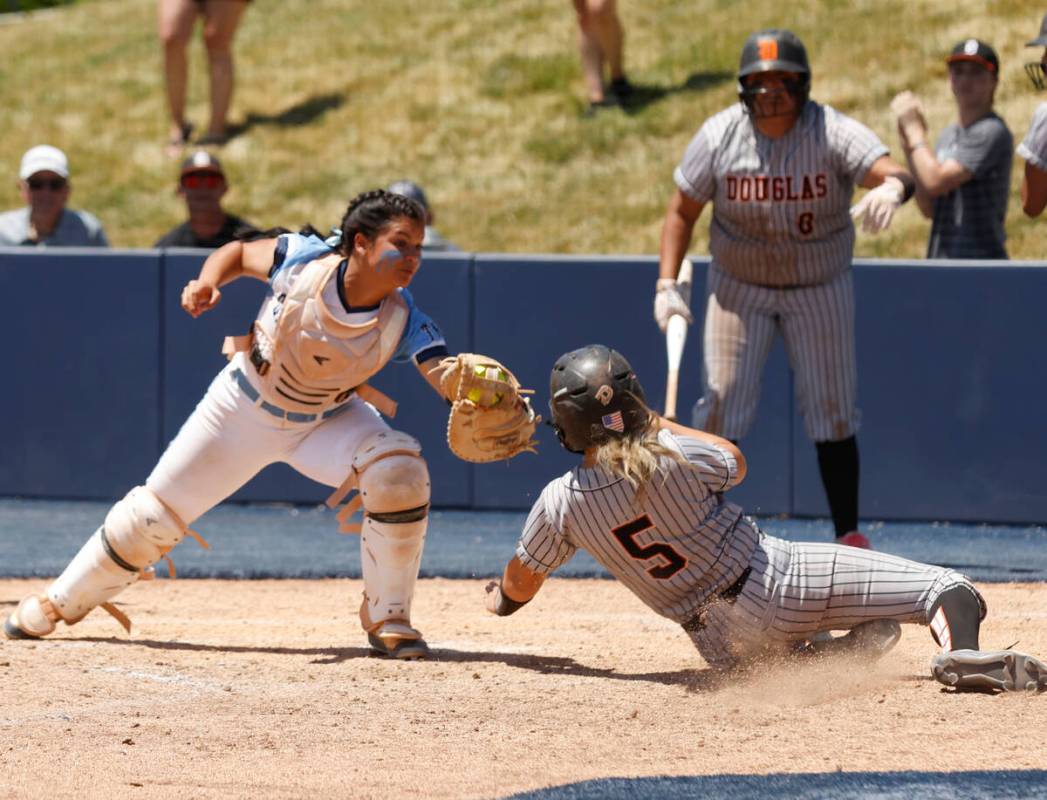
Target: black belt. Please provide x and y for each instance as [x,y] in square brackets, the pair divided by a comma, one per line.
[730,594]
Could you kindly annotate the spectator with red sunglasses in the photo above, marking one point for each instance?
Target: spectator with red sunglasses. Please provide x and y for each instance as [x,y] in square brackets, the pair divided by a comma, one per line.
[201,183]
[44,221]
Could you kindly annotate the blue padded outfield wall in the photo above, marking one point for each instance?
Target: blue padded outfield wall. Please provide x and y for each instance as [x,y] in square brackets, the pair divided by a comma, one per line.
[103,367]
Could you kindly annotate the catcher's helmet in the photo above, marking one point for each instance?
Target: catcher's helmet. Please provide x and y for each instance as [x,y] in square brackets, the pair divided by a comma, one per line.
[774,50]
[594,395]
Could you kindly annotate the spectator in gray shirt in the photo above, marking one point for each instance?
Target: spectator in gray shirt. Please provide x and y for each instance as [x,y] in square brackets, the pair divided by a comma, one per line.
[963,184]
[43,181]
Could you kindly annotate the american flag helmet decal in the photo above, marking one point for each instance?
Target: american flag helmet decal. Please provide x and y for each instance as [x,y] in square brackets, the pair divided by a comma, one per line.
[614,422]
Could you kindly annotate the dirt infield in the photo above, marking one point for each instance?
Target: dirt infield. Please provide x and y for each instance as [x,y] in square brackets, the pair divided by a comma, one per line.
[265,689]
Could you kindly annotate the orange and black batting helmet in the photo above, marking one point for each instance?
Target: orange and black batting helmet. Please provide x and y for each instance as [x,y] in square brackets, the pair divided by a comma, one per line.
[774,50]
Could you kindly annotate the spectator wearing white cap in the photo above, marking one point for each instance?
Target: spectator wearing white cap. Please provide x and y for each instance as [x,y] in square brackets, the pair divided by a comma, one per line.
[43,181]
[1034,146]
[202,184]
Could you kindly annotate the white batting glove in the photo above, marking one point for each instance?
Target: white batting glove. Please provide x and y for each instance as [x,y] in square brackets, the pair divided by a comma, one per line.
[669,301]
[876,209]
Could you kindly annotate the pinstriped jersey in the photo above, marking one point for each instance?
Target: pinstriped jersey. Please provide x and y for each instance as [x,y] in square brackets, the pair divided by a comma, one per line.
[780,206]
[674,547]
[1034,146]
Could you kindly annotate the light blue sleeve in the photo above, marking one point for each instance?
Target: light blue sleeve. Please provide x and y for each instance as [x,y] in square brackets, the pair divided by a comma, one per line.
[422,338]
[293,248]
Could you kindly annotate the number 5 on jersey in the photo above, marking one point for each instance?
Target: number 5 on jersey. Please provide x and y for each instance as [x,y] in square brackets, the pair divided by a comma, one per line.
[674,562]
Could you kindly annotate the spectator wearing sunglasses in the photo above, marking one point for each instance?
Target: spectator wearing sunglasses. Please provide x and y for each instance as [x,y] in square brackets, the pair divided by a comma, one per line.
[1034,146]
[43,181]
[201,183]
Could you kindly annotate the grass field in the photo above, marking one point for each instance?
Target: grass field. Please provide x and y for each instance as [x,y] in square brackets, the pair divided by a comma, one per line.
[478,100]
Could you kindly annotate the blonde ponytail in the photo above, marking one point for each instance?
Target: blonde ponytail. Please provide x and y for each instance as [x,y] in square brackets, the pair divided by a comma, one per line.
[636,458]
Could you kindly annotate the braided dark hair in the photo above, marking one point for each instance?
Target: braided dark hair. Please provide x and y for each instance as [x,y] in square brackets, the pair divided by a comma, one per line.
[370,212]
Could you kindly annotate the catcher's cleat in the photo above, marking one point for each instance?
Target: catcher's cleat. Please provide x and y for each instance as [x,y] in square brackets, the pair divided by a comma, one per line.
[35,617]
[874,638]
[12,631]
[998,670]
[397,640]
[855,539]
[404,649]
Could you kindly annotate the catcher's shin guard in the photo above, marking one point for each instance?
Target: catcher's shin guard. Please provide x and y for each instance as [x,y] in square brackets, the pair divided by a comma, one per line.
[394,487]
[391,551]
[137,531]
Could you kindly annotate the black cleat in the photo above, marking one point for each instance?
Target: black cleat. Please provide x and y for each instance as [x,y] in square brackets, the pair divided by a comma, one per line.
[874,638]
[404,649]
[12,631]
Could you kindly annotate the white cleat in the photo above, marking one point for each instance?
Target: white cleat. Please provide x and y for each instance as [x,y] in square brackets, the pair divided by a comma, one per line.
[35,617]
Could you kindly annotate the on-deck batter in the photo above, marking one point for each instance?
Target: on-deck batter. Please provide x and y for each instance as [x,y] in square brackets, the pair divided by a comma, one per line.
[647,503]
[780,171]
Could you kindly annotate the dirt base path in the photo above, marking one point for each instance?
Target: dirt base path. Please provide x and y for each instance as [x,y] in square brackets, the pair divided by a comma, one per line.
[265,689]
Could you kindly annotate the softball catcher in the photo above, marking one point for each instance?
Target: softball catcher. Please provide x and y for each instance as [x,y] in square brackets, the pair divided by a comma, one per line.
[780,171]
[647,503]
[295,390]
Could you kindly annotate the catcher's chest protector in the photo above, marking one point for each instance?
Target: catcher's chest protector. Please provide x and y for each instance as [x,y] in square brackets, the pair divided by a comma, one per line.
[306,359]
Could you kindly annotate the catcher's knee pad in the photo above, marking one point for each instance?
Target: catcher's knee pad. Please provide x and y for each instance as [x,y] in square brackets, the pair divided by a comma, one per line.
[137,531]
[956,613]
[392,475]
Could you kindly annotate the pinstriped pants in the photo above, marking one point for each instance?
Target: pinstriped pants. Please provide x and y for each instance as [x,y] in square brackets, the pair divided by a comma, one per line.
[817,326]
[796,590]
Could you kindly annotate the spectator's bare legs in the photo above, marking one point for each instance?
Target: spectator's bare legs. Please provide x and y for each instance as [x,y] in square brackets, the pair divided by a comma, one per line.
[221,19]
[610,34]
[600,40]
[177,18]
[591,55]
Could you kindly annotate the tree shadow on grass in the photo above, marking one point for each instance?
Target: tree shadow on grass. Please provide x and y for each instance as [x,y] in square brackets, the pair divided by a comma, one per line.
[645,94]
[691,679]
[301,113]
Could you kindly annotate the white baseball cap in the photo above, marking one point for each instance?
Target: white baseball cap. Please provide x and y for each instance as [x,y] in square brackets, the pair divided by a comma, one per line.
[43,158]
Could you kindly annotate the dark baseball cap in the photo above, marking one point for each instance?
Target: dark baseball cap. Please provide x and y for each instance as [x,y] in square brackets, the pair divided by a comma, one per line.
[977,51]
[1041,40]
[201,161]
[410,189]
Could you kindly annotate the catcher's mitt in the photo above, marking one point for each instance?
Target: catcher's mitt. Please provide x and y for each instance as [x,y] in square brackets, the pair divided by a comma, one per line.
[490,419]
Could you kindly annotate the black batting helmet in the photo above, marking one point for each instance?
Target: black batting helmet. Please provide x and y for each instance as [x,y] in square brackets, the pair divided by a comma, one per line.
[774,50]
[594,395]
